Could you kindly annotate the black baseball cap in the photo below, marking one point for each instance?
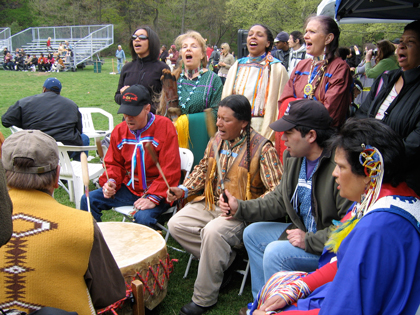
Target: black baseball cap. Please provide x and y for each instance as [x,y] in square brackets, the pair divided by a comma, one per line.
[133,100]
[304,112]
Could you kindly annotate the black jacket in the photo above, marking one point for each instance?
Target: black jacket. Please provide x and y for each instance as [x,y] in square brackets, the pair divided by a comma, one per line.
[146,72]
[51,113]
[283,56]
[403,115]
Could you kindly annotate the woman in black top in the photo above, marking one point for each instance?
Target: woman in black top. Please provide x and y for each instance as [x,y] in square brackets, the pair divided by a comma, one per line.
[144,69]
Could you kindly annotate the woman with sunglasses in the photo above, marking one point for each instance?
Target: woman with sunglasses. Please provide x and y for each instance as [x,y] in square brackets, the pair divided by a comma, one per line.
[144,69]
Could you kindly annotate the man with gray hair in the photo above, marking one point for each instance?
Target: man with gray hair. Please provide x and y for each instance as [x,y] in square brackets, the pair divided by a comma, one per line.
[120,54]
[57,256]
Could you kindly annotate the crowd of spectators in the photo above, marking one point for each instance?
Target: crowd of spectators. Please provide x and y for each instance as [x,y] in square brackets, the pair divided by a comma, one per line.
[52,61]
[362,171]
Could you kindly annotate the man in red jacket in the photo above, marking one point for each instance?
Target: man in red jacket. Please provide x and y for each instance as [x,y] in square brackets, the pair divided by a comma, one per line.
[132,177]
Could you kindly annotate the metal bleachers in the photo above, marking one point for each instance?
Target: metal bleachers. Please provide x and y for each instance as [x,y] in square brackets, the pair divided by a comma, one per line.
[86,40]
[4,40]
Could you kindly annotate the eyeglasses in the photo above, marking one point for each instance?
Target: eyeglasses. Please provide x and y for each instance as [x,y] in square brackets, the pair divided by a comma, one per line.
[141,37]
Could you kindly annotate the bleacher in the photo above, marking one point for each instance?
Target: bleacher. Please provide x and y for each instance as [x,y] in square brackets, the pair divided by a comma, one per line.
[4,41]
[87,41]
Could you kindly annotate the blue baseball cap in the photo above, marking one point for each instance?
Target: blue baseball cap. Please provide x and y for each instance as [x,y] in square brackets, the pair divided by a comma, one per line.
[53,84]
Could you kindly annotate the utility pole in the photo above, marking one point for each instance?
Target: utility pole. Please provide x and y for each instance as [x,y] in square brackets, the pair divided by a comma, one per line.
[183,16]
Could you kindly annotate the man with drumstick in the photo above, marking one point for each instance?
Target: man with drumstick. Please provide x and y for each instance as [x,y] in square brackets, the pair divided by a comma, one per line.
[132,177]
[57,256]
[250,168]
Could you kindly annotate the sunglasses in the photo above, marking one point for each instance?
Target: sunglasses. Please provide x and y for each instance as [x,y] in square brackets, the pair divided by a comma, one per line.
[141,37]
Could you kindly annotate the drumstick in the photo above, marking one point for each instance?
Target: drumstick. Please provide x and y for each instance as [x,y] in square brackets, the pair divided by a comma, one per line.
[155,159]
[101,156]
[85,176]
[211,129]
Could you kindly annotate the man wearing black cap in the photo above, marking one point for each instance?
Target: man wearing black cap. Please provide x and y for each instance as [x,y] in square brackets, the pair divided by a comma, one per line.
[132,177]
[51,113]
[283,50]
[307,194]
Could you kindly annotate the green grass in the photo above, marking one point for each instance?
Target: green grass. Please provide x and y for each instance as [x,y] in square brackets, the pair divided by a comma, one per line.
[89,89]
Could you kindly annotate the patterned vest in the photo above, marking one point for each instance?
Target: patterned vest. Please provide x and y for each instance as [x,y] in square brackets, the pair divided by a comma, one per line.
[47,257]
[236,177]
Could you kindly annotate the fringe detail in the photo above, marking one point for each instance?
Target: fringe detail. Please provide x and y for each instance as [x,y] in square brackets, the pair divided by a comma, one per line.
[262,92]
[340,233]
[208,190]
[248,187]
[183,131]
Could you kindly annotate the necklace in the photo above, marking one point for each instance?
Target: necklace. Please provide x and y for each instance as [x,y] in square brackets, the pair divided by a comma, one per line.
[190,73]
[308,89]
[256,59]
[181,79]
[229,152]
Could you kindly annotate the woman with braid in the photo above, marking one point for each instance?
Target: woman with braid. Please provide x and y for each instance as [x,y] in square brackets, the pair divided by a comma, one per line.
[250,168]
[324,78]
[370,264]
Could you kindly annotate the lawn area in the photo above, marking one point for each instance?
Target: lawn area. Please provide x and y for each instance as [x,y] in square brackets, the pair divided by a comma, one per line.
[89,89]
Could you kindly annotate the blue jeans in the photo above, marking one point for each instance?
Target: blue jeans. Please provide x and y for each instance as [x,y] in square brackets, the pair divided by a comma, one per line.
[76,155]
[267,255]
[120,64]
[123,197]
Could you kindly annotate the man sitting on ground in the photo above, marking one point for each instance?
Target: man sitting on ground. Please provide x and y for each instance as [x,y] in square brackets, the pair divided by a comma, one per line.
[132,178]
[57,256]
[51,113]
[307,194]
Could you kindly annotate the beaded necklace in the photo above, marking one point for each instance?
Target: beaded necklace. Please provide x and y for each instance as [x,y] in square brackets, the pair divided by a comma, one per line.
[229,152]
[256,59]
[309,89]
[190,73]
[181,79]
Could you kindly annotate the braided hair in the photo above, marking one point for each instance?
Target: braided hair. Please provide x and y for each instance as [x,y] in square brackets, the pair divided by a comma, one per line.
[241,108]
[328,26]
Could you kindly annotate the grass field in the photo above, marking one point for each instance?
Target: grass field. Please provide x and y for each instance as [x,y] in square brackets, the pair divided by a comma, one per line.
[89,89]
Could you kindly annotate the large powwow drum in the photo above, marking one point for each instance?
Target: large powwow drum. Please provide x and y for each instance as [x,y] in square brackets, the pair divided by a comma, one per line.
[140,253]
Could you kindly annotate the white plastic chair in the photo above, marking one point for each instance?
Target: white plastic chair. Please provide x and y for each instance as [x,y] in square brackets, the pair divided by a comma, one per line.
[187,160]
[88,126]
[15,129]
[71,171]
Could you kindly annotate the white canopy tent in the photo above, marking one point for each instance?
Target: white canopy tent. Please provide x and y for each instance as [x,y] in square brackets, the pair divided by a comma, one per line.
[370,11]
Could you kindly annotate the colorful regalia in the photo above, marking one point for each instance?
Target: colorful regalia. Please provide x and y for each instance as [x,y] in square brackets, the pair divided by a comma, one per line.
[261,80]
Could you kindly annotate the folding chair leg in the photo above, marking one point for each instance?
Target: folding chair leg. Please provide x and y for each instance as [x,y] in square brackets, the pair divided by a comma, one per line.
[245,274]
[188,266]
[64,187]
